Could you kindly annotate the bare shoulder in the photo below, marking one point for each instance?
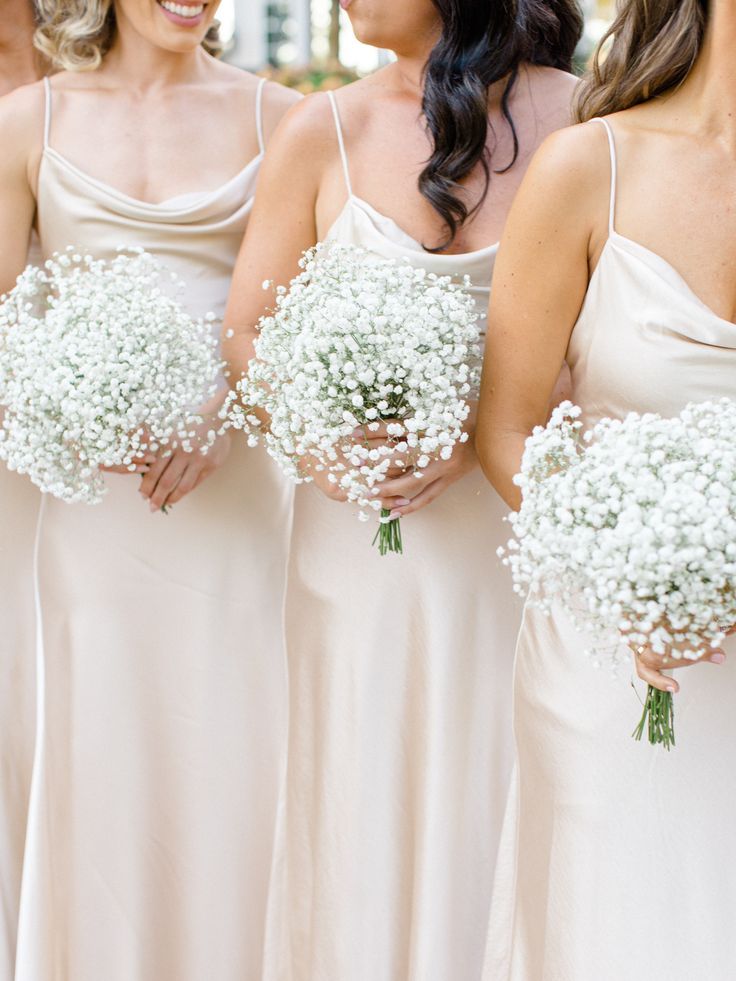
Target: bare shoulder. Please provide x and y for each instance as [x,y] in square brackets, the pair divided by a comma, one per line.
[578,153]
[280,97]
[553,81]
[249,82]
[277,101]
[359,99]
[571,171]
[552,93]
[304,140]
[647,118]
[246,81]
[308,122]
[22,113]
[241,88]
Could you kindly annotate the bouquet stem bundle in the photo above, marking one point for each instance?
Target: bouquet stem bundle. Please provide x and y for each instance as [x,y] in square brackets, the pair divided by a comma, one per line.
[657,719]
[388,536]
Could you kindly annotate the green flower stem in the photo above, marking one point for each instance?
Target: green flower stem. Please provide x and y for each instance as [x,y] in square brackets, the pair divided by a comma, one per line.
[388,535]
[658,718]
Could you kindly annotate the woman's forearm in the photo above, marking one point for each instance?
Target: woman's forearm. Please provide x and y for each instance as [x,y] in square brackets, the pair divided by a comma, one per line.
[500,456]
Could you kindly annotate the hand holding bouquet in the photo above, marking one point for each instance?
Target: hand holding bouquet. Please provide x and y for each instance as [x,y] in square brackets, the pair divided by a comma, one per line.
[631,526]
[362,342]
[98,363]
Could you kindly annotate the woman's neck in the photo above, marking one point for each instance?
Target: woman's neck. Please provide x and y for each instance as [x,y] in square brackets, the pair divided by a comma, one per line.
[412,65]
[412,58]
[144,66]
[710,88]
[19,61]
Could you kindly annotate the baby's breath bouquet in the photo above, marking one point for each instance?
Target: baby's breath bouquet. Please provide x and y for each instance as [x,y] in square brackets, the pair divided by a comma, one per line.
[631,526]
[357,342]
[98,362]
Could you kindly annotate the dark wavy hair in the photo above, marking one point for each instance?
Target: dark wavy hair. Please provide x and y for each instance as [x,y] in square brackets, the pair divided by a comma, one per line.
[483,42]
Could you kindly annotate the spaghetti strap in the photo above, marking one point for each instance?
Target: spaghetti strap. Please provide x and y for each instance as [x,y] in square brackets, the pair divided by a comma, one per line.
[47,118]
[614,171]
[259,115]
[341,141]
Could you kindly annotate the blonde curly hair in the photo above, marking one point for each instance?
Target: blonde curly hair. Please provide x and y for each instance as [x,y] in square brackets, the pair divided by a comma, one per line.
[75,35]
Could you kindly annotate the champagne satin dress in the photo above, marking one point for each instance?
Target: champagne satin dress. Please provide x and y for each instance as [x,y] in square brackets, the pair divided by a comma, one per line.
[400,730]
[618,858]
[161,737]
[20,502]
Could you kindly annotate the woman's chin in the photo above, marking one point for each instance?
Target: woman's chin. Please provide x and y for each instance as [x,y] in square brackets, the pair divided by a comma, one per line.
[370,34]
[176,42]
[179,45]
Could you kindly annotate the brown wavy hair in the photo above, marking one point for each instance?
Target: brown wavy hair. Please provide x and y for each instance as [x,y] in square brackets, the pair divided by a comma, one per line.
[75,35]
[653,47]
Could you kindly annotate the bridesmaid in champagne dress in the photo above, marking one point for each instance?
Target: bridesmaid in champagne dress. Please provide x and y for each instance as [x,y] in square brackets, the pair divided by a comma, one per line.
[20,64]
[162,702]
[400,666]
[619,859]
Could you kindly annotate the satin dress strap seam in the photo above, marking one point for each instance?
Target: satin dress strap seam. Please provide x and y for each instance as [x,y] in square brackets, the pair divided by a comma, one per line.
[47,113]
[341,143]
[614,175]
[259,115]
[581,338]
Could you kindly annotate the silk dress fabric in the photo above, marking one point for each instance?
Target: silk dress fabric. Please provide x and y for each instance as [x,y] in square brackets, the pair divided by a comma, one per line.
[19,507]
[20,501]
[162,738]
[400,735]
[618,858]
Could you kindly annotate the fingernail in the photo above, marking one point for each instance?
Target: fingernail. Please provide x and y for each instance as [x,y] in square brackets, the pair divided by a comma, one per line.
[671,690]
[717,658]
[404,502]
[395,514]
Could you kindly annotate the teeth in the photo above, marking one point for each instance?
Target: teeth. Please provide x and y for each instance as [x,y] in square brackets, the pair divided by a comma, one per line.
[182,11]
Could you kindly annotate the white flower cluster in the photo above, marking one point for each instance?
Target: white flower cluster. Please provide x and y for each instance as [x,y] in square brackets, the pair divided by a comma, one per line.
[631,525]
[97,363]
[356,340]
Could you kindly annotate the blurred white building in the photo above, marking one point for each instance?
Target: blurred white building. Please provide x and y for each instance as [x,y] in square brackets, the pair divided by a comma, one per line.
[289,32]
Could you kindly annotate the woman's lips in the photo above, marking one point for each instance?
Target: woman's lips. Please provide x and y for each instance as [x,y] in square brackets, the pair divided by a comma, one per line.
[183,14]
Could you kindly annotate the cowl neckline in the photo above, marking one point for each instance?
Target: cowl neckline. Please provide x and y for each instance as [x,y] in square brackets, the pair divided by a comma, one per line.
[361,224]
[184,208]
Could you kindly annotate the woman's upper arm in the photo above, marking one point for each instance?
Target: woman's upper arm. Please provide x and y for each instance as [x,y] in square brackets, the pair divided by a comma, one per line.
[19,120]
[539,285]
[282,225]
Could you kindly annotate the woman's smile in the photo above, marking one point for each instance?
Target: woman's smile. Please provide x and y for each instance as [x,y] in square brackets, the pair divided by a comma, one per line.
[183,14]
